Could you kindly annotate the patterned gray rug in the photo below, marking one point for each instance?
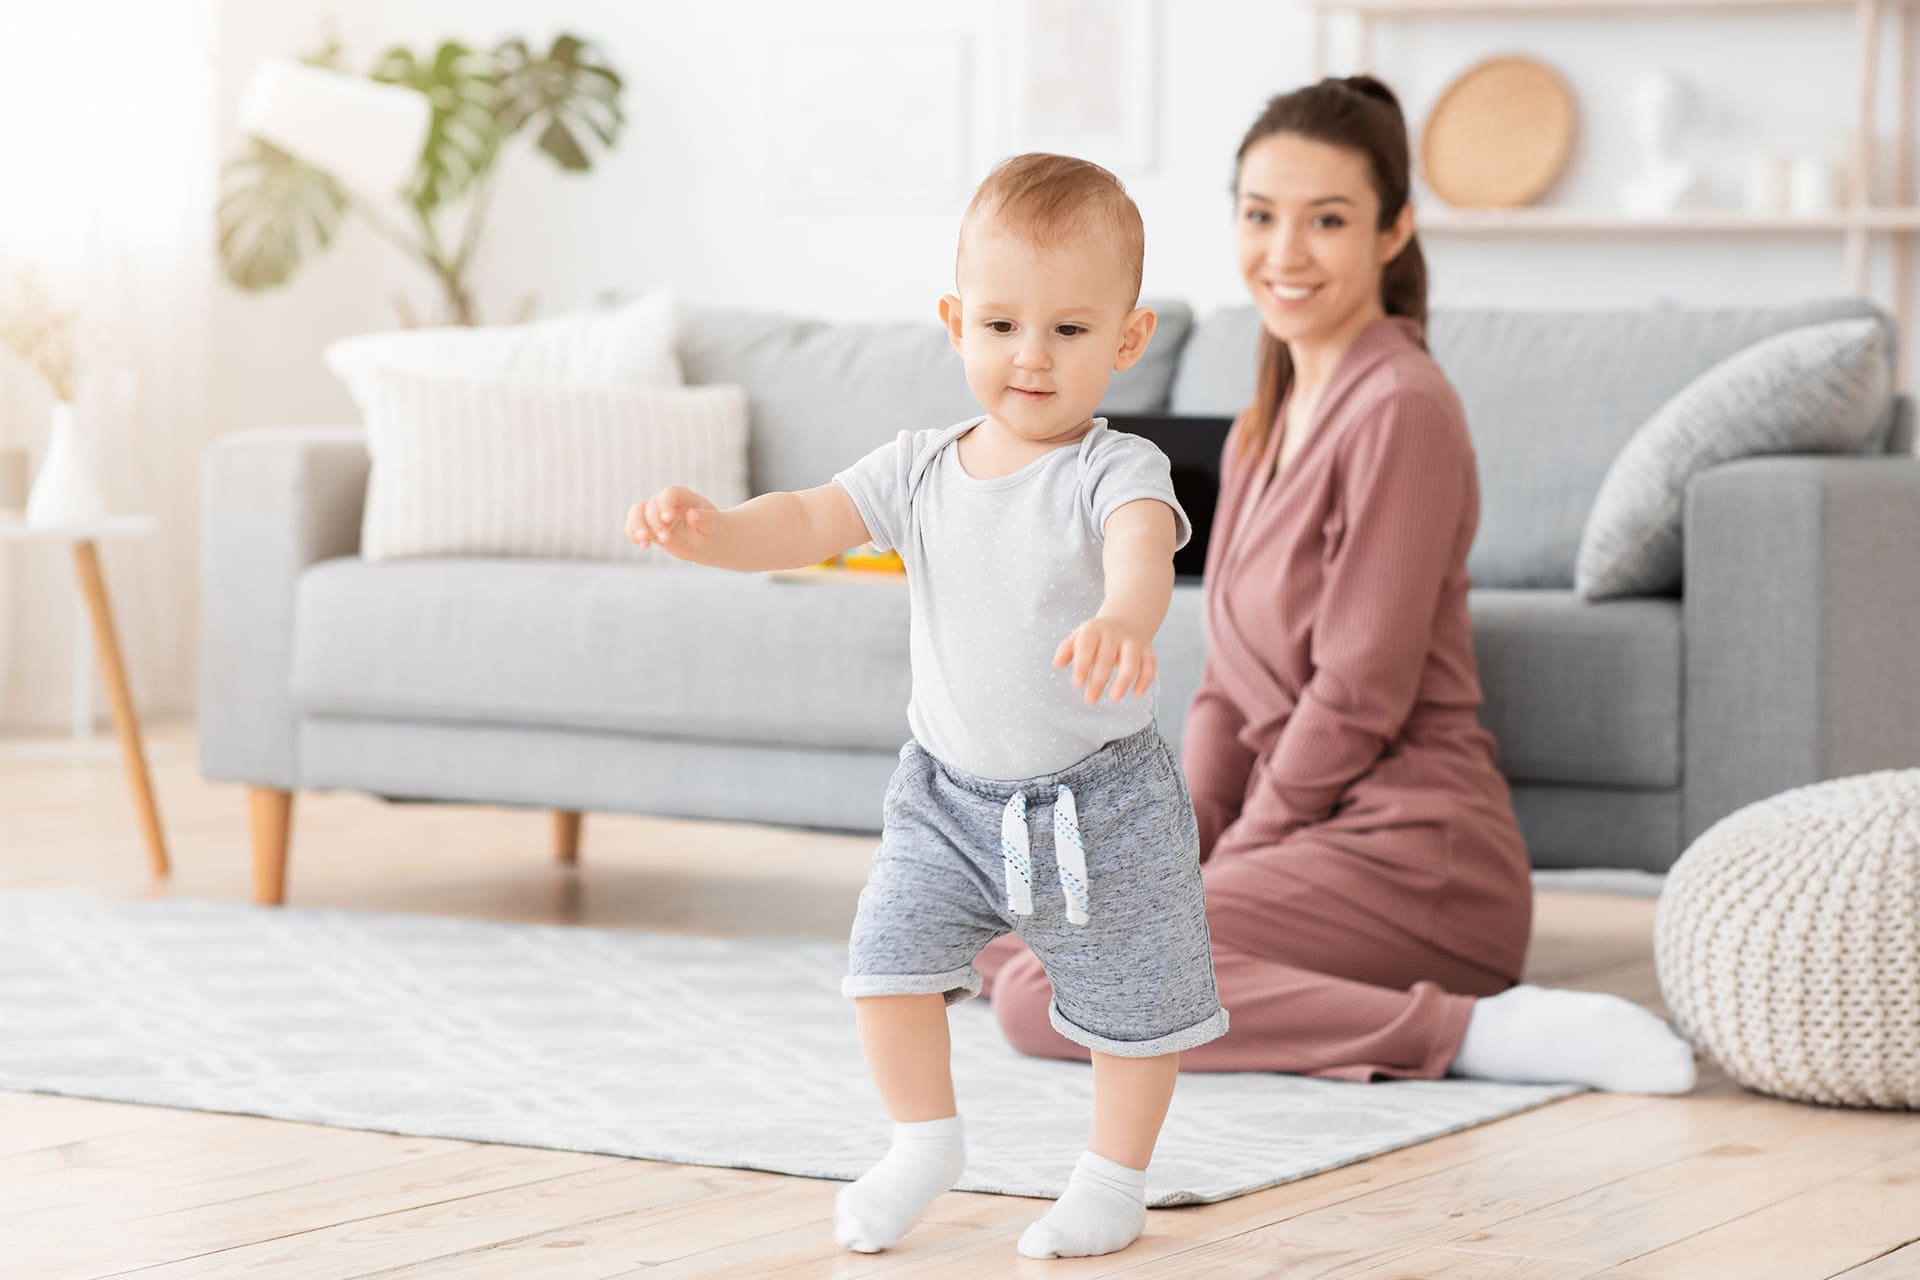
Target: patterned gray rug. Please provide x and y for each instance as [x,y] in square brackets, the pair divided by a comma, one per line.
[694,1050]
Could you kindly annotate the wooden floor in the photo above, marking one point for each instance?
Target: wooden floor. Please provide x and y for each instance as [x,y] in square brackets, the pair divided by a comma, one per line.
[1718,1184]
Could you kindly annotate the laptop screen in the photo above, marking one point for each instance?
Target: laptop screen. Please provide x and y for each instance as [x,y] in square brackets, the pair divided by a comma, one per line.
[1193,446]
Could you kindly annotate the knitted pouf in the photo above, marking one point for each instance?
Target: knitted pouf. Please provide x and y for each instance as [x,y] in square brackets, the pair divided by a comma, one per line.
[1788,942]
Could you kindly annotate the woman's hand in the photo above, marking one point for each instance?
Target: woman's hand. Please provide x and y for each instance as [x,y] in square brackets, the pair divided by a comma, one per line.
[1101,648]
[678,521]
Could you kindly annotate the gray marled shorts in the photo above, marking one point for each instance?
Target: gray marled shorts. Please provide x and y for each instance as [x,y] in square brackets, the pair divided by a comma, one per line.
[1097,868]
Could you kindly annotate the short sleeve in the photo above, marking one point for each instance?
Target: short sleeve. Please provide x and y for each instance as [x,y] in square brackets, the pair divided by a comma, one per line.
[878,485]
[1123,468]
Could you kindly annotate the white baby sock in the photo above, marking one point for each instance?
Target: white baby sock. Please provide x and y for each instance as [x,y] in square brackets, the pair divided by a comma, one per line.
[926,1158]
[1543,1035]
[1103,1209]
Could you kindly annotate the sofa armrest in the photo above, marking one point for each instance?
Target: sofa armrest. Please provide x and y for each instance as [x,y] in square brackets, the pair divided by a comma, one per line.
[273,501]
[1802,605]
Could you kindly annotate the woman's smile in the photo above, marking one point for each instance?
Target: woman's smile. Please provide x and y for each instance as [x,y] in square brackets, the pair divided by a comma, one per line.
[1291,296]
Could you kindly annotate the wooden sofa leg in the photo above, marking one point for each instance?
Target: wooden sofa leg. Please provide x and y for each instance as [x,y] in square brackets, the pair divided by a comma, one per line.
[270,811]
[566,835]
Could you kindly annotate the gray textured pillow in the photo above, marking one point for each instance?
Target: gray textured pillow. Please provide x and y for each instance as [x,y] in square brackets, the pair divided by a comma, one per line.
[1821,389]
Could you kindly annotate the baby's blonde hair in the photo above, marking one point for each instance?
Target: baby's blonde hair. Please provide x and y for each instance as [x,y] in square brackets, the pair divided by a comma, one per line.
[1049,198]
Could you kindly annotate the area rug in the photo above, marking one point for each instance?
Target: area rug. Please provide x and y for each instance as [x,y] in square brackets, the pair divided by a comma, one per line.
[735,1052]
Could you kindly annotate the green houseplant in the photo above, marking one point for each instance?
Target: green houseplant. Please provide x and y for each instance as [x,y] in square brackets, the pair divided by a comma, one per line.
[277,212]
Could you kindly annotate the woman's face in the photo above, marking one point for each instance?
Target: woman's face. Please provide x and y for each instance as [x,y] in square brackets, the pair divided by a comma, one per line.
[1305,217]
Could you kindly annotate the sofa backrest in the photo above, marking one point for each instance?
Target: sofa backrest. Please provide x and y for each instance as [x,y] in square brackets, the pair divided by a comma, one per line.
[821,393]
[1551,397]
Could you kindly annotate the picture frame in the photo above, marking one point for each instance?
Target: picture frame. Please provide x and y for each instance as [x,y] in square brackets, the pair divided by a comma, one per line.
[1080,78]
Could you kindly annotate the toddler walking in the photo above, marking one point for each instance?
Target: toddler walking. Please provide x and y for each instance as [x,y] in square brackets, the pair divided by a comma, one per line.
[1031,798]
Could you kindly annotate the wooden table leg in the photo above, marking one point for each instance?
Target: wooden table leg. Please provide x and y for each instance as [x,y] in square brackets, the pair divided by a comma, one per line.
[86,559]
[566,835]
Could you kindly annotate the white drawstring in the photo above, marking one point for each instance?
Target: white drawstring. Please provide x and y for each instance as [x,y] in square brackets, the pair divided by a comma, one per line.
[1069,854]
[1014,853]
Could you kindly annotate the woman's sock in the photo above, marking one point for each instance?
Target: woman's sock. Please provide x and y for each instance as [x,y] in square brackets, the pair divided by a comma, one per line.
[1544,1035]
[1103,1209]
[926,1159]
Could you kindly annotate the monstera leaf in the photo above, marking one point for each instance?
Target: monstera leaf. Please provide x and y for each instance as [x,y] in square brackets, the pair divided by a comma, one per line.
[466,131]
[564,93]
[274,212]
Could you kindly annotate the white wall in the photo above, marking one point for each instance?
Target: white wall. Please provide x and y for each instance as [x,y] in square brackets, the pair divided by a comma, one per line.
[685,199]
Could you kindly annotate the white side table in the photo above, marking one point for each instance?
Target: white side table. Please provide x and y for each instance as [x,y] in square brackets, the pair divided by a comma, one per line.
[93,590]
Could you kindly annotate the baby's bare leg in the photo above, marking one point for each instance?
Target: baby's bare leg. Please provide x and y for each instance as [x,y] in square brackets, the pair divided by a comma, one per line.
[1130,1100]
[909,1056]
[1105,1204]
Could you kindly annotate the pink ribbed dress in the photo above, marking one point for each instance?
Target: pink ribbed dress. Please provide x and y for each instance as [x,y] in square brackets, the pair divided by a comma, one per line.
[1365,875]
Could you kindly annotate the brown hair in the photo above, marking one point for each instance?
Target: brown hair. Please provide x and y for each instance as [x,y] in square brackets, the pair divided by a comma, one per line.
[1048,198]
[1361,114]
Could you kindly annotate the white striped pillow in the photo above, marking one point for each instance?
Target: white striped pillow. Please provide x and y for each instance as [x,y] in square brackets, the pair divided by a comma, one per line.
[471,467]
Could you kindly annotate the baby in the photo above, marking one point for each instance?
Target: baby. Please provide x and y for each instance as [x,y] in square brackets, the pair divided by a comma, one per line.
[1034,539]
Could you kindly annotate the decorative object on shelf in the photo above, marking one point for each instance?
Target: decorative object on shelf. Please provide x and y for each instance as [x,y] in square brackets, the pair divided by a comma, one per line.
[317,134]
[1500,135]
[1666,111]
[1812,186]
[1804,186]
[1863,209]
[1767,176]
[51,343]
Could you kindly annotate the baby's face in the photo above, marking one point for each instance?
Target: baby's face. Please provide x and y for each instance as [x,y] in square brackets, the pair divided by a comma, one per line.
[1042,330]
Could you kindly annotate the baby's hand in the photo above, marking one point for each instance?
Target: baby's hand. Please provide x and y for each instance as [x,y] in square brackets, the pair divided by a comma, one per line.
[678,521]
[1103,647]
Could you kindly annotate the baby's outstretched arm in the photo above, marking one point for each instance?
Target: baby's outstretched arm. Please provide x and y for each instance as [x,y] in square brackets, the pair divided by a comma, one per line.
[772,531]
[1117,641]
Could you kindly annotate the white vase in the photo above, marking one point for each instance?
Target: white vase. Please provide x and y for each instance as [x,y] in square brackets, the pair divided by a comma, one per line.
[65,491]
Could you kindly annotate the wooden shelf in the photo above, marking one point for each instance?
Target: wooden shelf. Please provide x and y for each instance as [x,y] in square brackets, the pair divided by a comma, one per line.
[1859,223]
[1718,222]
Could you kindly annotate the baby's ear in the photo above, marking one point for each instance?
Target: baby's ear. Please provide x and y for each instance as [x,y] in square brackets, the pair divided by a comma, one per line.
[1134,336]
[950,317]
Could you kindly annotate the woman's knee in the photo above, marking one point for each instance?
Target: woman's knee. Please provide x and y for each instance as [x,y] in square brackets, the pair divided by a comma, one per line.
[1021,998]
[994,957]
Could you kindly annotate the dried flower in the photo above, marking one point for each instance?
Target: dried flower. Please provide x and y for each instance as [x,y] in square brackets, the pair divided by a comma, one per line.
[46,339]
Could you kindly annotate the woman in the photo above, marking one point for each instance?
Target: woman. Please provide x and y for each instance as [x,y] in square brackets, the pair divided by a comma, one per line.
[1367,885]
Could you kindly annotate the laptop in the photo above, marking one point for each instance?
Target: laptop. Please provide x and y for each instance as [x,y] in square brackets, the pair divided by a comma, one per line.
[1193,446]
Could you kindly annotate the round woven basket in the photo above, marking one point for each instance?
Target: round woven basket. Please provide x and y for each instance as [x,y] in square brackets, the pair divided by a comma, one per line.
[1499,136]
[1787,941]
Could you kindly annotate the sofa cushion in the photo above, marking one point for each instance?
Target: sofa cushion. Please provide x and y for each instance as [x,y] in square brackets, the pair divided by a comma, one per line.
[1578,692]
[473,467]
[823,393]
[678,652]
[674,651]
[1821,389]
[627,346]
[1551,398]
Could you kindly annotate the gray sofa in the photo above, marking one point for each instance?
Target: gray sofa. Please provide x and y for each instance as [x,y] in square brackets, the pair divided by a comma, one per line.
[1625,728]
